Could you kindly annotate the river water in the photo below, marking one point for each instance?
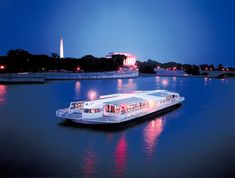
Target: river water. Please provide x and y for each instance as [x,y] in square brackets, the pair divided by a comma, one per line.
[195,140]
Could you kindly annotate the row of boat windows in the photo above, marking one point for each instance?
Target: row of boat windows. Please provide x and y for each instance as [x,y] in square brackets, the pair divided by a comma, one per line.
[116,109]
[111,108]
[92,110]
[137,106]
[76,105]
[125,108]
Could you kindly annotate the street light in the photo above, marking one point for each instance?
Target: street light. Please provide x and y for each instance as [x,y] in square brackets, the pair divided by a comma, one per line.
[2,67]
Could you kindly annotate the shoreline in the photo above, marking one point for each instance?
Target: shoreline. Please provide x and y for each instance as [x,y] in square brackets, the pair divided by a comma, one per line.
[189,76]
[43,77]
[21,78]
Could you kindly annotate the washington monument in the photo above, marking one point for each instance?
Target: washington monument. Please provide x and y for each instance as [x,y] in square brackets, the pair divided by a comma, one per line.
[61,48]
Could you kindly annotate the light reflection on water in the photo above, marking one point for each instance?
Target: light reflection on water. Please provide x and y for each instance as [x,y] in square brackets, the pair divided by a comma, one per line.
[3,92]
[174,82]
[224,80]
[164,82]
[77,88]
[89,163]
[124,85]
[121,156]
[152,132]
[157,79]
[119,84]
[207,81]
[158,82]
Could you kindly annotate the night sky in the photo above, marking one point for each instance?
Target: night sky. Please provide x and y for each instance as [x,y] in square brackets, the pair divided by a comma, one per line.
[185,31]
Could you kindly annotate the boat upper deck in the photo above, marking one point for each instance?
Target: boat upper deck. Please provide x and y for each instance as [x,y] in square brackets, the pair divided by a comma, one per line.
[130,98]
[127,101]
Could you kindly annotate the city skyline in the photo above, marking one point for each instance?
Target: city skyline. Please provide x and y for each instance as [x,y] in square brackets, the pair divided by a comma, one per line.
[193,32]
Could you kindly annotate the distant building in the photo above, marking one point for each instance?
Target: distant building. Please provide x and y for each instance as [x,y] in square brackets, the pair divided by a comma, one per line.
[61,48]
[129,61]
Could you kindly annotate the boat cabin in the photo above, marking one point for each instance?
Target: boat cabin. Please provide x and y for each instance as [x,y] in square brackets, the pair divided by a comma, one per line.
[92,109]
[122,106]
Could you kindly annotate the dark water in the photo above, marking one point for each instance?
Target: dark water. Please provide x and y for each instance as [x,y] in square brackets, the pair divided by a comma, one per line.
[195,140]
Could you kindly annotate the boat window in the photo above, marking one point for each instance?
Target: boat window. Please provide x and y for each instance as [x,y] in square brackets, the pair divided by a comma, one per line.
[106,108]
[91,110]
[97,110]
[80,104]
[87,110]
[112,109]
[75,105]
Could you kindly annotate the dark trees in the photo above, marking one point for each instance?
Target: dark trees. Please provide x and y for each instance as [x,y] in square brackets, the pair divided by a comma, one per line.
[22,61]
[192,70]
[145,67]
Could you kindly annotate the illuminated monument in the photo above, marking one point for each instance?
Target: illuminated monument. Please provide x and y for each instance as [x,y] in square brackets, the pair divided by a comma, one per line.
[61,48]
[129,61]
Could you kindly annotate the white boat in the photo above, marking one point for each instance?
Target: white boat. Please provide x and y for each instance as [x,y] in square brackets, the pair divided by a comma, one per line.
[118,108]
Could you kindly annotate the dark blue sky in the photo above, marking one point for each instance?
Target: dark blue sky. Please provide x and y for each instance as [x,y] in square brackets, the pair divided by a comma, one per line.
[186,31]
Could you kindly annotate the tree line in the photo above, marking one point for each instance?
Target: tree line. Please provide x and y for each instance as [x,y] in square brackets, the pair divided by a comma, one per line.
[20,60]
[149,66]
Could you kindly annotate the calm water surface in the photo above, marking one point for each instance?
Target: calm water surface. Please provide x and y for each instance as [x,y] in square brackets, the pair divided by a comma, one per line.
[195,140]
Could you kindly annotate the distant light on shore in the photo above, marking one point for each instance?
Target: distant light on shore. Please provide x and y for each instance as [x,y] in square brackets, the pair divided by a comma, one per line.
[2,67]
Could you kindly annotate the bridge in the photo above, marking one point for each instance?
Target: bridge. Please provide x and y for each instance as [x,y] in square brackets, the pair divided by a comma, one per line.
[218,74]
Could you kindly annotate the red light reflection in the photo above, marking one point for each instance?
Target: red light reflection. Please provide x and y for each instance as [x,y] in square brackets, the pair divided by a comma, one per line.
[165,82]
[77,89]
[3,91]
[130,82]
[131,85]
[89,164]
[120,155]
[119,84]
[151,134]
[126,87]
